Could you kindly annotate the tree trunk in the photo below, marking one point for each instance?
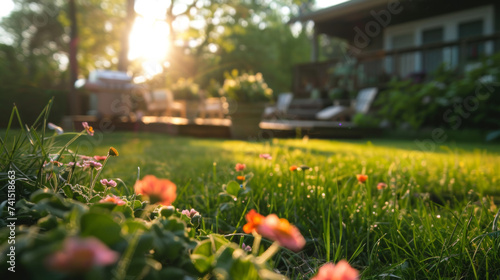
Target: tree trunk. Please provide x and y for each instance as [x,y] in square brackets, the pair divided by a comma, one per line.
[129,22]
[73,62]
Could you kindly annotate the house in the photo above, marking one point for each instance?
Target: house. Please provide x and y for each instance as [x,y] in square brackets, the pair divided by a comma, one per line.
[404,38]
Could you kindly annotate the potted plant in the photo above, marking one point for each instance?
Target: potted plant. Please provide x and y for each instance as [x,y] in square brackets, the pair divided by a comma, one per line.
[187,90]
[248,95]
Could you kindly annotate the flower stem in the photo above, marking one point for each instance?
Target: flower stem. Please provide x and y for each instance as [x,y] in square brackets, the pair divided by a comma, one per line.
[271,251]
[94,180]
[256,243]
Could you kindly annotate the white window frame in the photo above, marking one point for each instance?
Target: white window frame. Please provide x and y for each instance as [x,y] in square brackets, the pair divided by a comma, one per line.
[449,23]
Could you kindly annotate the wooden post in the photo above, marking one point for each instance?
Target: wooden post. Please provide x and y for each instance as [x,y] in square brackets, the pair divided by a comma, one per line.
[129,22]
[315,47]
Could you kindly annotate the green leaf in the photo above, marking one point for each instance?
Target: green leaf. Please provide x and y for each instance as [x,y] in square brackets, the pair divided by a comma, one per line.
[41,194]
[201,262]
[101,226]
[233,188]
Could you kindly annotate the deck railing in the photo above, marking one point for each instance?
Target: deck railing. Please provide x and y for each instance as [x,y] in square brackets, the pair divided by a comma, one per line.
[377,66]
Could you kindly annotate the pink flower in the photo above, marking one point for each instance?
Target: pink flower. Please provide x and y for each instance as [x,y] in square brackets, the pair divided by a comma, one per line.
[80,255]
[190,213]
[381,186]
[88,128]
[100,158]
[341,271]
[246,248]
[92,164]
[282,231]
[275,229]
[266,156]
[240,167]
[107,183]
[113,199]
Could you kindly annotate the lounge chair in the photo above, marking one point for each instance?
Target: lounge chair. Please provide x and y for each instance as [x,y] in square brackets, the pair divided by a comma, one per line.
[341,113]
[281,107]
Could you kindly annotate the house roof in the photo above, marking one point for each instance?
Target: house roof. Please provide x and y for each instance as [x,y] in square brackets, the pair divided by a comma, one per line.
[342,10]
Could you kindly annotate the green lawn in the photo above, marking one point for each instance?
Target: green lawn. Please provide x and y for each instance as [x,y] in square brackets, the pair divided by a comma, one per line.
[436,219]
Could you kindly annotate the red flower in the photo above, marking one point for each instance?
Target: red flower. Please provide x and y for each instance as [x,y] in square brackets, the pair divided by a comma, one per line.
[240,167]
[341,271]
[361,178]
[80,255]
[293,168]
[381,186]
[160,191]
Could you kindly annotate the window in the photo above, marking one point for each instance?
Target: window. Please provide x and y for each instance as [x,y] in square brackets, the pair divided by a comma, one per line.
[472,51]
[403,64]
[433,58]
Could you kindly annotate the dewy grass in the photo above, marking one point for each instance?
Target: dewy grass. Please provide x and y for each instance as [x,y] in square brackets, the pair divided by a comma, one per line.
[437,218]
[434,220]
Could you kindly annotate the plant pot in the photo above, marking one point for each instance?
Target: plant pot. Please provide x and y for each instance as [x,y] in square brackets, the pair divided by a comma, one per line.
[192,108]
[245,120]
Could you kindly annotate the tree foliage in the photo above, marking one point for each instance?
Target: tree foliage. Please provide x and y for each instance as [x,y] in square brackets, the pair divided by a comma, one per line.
[249,35]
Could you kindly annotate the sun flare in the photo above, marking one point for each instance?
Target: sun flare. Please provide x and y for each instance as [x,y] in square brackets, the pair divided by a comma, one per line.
[149,40]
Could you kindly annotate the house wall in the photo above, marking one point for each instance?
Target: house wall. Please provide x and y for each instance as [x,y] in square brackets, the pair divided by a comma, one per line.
[450,23]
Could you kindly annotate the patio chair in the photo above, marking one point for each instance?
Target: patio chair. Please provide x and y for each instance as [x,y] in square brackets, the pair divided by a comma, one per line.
[163,99]
[360,105]
[155,102]
[213,107]
[281,107]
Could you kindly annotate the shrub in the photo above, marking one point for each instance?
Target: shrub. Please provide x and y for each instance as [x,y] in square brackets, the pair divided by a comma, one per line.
[471,100]
[246,87]
[185,89]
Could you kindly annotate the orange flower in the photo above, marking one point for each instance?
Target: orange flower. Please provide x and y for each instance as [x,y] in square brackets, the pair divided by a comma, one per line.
[113,152]
[293,168]
[282,231]
[113,199]
[240,167]
[341,271]
[160,191]
[240,178]
[362,178]
[80,255]
[254,219]
[381,186]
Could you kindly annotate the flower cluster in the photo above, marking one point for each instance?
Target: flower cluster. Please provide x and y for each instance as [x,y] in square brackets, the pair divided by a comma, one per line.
[107,183]
[246,87]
